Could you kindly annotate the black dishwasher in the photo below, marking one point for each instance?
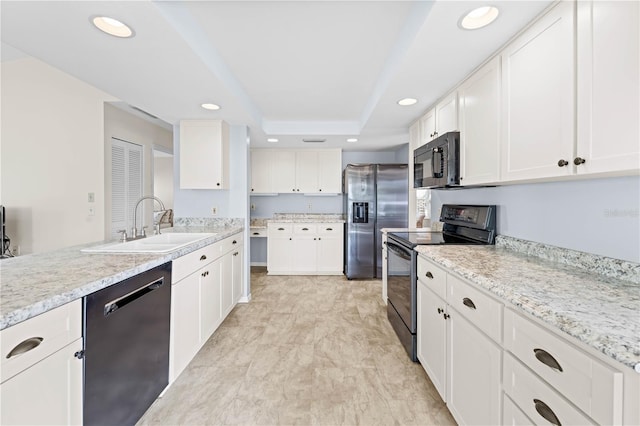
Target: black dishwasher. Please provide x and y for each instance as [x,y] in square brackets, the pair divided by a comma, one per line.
[126,354]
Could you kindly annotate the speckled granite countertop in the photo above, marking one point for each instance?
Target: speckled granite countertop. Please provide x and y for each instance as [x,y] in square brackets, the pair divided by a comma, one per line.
[36,283]
[599,310]
[299,218]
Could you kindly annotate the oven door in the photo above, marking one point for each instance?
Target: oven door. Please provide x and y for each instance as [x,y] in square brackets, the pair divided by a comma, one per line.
[401,294]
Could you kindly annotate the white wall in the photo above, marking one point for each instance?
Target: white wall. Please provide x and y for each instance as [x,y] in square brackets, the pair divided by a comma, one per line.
[122,125]
[600,216]
[163,180]
[52,156]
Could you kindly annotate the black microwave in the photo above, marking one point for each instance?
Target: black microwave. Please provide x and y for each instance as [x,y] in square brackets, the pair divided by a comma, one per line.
[437,163]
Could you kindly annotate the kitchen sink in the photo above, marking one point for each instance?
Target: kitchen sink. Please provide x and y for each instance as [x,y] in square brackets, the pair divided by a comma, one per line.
[162,243]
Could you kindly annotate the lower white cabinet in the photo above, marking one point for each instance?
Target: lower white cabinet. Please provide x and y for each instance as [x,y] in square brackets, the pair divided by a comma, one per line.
[462,361]
[305,248]
[202,299]
[41,378]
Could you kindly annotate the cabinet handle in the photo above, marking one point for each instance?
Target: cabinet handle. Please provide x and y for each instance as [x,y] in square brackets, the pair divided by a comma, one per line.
[256,233]
[235,254]
[314,239]
[280,229]
[546,412]
[547,359]
[251,189]
[298,189]
[446,316]
[331,229]
[578,160]
[218,184]
[429,274]
[562,163]
[469,303]
[440,310]
[25,346]
[305,229]
[319,238]
[289,239]
[203,257]
[294,190]
[319,190]
[234,242]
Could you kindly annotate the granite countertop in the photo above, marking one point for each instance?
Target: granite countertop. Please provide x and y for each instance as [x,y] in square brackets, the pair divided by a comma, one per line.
[298,218]
[36,283]
[599,310]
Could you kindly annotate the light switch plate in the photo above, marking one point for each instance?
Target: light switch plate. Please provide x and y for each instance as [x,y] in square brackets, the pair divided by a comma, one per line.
[91,197]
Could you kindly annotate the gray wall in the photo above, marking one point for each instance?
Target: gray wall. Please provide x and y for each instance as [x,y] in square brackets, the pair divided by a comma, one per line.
[600,216]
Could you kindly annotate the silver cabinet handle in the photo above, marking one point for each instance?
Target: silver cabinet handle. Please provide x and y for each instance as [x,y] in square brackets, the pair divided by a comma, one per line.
[25,346]
[429,274]
[547,359]
[469,303]
[546,412]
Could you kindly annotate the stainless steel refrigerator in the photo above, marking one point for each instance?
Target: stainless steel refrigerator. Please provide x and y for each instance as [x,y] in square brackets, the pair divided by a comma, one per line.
[376,196]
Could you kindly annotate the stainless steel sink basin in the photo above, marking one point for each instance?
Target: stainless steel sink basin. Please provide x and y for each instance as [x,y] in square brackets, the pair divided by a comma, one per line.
[162,243]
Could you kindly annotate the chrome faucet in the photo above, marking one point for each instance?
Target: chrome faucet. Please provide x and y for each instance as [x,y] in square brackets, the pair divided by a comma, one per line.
[134,231]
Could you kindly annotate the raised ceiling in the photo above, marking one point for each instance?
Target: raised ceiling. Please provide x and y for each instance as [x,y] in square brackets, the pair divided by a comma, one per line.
[287,69]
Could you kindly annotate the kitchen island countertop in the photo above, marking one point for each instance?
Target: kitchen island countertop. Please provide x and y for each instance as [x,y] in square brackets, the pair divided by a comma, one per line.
[600,311]
[36,283]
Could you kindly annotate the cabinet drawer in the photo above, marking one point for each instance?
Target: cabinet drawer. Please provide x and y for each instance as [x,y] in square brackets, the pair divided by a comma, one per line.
[591,385]
[305,228]
[328,229]
[536,399]
[279,228]
[231,243]
[433,276]
[193,261]
[258,233]
[49,332]
[477,307]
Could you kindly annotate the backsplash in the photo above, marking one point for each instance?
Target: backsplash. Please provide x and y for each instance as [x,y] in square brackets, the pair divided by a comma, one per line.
[222,222]
[607,266]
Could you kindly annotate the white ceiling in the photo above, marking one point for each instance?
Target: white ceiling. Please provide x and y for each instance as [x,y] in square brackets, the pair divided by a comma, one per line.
[287,69]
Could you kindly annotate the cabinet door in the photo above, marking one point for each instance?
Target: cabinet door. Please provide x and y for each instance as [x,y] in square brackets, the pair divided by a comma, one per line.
[307,172]
[330,171]
[210,298]
[204,154]
[226,278]
[608,86]
[329,254]
[279,253]
[238,275]
[261,161]
[432,337]
[538,98]
[284,172]
[480,125]
[447,114]
[185,323]
[49,392]
[304,252]
[428,126]
[474,392]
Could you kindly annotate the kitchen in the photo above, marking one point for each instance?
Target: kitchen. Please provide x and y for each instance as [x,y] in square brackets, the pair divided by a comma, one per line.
[596,215]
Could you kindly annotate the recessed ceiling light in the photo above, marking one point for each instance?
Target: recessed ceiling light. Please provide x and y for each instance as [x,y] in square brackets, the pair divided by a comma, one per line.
[407,101]
[211,107]
[112,26]
[272,140]
[352,140]
[478,18]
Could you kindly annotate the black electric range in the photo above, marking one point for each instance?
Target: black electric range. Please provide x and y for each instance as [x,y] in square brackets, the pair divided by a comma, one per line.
[462,224]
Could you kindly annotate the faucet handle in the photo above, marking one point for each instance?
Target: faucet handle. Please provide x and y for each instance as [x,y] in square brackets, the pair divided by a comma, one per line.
[123,238]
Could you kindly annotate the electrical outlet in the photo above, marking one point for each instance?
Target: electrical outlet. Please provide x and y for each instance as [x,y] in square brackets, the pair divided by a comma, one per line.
[253,206]
[310,206]
[214,211]
[91,197]
[92,211]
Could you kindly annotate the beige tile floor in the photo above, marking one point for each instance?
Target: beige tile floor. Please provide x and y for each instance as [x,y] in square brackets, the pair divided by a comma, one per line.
[307,350]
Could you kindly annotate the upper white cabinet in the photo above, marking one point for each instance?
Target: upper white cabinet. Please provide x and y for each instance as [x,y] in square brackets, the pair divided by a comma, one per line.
[441,119]
[538,98]
[296,171]
[608,86]
[479,98]
[204,154]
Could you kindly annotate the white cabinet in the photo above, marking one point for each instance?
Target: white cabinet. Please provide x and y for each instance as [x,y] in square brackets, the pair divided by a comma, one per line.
[201,297]
[441,119]
[305,248]
[455,346]
[41,378]
[538,98]
[296,171]
[479,98]
[608,86]
[204,154]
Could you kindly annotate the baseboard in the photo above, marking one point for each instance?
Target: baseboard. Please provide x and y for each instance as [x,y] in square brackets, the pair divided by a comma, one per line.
[245,299]
[258,264]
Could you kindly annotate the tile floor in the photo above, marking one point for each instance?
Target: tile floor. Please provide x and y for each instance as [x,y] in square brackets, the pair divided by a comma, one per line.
[307,350]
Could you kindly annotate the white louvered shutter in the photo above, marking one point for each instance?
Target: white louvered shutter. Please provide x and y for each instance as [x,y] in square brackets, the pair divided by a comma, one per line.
[126,184]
